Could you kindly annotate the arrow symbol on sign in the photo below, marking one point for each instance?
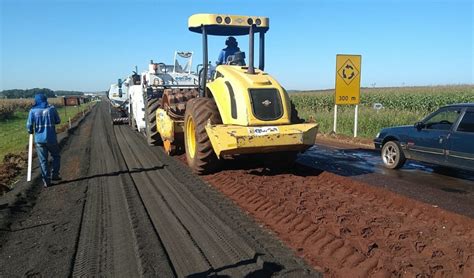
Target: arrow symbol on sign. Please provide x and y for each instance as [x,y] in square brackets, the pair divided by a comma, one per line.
[348,66]
[345,76]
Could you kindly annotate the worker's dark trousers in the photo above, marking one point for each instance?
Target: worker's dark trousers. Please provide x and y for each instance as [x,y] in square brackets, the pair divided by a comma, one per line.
[43,149]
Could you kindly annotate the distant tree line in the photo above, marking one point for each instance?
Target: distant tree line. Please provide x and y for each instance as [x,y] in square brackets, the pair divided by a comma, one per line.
[30,93]
[68,93]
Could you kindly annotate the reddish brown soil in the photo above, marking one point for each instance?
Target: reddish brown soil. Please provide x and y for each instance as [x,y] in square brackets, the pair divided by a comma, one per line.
[350,229]
[10,167]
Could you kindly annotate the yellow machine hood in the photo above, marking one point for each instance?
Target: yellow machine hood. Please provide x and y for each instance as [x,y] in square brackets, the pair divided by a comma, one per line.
[236,96]
[239,74]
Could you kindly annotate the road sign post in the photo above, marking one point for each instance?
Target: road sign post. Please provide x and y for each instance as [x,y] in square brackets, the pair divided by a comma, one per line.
[356,116]
[348,72]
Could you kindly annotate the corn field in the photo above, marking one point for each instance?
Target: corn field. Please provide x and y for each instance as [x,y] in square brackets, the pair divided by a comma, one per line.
[405,98]
[401,106]
[9,106]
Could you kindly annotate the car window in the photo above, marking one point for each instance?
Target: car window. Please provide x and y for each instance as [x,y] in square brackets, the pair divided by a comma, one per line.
[467,122]
[443,119]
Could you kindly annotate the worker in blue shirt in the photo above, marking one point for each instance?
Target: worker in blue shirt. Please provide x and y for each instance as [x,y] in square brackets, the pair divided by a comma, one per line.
[231,49]
[41,121]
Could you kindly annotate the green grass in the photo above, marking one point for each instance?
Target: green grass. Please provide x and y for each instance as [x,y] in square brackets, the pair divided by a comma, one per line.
[402,106]
[13,134]
[369,124]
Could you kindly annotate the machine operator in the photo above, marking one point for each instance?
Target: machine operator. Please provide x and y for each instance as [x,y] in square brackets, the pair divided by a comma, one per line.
[231,49]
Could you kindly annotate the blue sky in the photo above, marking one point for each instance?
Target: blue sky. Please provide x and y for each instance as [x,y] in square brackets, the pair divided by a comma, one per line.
[87,44]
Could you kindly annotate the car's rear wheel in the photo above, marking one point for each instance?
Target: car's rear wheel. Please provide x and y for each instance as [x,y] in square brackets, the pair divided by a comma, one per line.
[392,155]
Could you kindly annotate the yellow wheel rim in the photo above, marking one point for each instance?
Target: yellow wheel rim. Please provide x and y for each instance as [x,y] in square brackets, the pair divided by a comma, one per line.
[190,137]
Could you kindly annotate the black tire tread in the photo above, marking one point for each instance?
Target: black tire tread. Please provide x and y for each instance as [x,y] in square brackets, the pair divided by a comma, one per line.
[152,135]
[201,110]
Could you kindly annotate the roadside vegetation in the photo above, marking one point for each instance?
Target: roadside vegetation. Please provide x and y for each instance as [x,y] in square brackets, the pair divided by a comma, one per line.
[14,137]
[401,106]
[13,116]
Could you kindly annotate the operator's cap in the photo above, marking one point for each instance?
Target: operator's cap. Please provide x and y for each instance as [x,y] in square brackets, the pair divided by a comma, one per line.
[231,40]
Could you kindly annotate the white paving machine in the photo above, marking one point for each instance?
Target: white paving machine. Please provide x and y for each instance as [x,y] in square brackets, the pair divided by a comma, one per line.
[164,88]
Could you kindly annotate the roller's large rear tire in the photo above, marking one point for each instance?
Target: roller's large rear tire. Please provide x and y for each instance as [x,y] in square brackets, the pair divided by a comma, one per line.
[152,135]
[199,152]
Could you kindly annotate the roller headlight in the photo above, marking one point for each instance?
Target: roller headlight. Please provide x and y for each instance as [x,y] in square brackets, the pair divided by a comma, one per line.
[219,19]
[258,21]
[250,21]
[227,20]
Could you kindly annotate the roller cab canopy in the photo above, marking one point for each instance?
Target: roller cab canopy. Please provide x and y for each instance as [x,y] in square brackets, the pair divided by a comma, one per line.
[227,25]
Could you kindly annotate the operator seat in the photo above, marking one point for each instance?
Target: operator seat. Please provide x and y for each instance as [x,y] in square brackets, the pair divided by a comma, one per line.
[238,59]
[136,79]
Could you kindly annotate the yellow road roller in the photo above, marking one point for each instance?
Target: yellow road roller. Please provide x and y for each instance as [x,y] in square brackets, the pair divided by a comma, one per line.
[239,109]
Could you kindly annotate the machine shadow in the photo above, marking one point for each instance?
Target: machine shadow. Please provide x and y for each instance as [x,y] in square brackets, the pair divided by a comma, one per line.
[267,269]
[261,167]
[116,173]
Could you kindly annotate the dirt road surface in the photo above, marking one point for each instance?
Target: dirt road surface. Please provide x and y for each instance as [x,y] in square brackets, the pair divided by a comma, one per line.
[450,189]
[125,209]
[347,228]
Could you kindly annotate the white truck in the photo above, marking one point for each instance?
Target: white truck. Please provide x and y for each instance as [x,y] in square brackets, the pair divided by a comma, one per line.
[161,86]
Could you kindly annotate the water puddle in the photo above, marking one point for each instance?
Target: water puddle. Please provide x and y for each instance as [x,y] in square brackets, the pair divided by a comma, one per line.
[356,162]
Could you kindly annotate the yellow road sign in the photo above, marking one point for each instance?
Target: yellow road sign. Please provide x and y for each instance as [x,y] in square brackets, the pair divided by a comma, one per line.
[347,79]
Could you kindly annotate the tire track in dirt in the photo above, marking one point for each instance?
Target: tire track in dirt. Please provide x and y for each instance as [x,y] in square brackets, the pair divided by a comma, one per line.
[185,223]
[344,227]
[116,237]
[198,221]
[105,224]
